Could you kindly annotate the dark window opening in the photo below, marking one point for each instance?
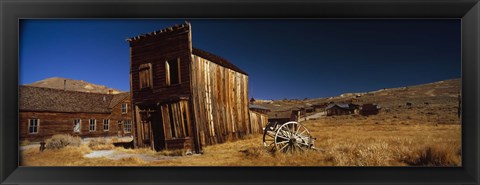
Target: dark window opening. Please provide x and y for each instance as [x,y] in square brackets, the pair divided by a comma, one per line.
[185,122]
[172,69]
[172,125]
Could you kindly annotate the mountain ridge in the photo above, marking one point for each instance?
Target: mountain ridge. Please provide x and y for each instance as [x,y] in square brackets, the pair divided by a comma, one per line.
[74,85]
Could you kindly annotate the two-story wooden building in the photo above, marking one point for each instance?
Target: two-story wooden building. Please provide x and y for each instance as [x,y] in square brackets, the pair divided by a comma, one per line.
[45,112]
[183,97]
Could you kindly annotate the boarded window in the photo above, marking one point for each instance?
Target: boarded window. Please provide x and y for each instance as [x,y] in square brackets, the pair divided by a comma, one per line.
[124,108]
[106,124]
[76,125]
[145,75]
[172,71]
[92,125]
[128,126]
[33,125]
[175,118]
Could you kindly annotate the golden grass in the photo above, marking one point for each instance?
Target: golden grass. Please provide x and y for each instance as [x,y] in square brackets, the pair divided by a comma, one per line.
[100,144]
[25,142]
[379,140]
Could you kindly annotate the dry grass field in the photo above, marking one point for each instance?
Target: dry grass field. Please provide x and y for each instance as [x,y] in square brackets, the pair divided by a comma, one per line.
[425,133]
[350,144]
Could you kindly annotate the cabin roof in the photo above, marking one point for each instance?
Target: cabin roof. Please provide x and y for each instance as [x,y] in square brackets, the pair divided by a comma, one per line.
[216,59]
[117,98]
[279,114]
[252,106]
[57,100]
[341,105]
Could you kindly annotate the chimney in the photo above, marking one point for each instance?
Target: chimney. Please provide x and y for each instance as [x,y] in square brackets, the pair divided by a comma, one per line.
[64,85]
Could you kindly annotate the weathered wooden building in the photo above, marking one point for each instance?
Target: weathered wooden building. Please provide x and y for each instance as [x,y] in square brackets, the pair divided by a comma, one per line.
[45,112]
[369,109]
[183,97]
[281,117]
[258,116]
[341,109]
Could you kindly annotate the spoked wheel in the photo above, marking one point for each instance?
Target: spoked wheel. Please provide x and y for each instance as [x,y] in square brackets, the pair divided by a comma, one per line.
[269,136]
[292,137]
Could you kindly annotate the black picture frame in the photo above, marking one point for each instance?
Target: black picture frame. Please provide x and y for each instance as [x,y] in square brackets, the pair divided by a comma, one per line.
[11,11]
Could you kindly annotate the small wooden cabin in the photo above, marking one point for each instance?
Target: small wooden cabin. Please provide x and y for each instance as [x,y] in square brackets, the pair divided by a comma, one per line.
[45,112]
[369,109]
[341,109]
[184,97]
[281,117]
[258,116]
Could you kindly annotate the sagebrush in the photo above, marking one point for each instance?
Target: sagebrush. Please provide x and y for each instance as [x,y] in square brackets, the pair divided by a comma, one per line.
[62,140]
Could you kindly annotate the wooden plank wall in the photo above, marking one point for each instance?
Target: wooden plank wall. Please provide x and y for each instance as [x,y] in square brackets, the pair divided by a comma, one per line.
[258,121]
[220,98]
[180,117]
[155,51]
[52,123]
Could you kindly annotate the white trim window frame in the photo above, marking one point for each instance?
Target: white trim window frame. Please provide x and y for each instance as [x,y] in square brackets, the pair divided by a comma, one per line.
[33,126]
[106,125]
[77,126]
[92,125]
[127,126]
[124,108]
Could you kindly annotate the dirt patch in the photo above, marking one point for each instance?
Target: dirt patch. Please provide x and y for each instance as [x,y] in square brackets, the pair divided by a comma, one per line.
[117,155]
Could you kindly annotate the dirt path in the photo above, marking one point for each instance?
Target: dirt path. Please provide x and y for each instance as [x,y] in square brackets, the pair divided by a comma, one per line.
[116,155]
[314,116]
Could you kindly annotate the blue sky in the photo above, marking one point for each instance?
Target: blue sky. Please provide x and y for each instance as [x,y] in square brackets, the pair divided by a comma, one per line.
[285,58]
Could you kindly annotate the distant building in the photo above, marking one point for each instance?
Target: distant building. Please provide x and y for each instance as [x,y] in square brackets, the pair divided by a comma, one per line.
[341,109]
[320,106]
[45,112]
[258,116]
[309,109]
[281,117]
[369,109]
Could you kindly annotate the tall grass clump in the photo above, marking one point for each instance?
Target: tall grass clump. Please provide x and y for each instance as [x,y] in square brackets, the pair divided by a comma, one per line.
[62,140]
[100,144]
[433,156]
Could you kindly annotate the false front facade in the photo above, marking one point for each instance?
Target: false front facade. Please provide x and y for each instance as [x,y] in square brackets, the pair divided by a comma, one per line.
[183,97]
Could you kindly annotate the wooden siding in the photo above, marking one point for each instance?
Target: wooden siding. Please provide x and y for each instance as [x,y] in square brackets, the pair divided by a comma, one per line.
[157,50]
[258,121]
[173,45]
[220,101]
[52,123]
[118,118]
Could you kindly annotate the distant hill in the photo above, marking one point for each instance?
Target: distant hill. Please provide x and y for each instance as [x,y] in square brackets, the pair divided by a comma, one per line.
[73,85]
[443,92]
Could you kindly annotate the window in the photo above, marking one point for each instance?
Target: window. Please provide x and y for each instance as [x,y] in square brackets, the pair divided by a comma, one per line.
[124,108]
[106,124]
[33,126]
[76,125]
[93,123]
[172,71]
[128,126]
[145,75]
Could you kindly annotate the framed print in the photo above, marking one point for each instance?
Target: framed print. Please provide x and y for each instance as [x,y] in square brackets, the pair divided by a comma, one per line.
[252,92]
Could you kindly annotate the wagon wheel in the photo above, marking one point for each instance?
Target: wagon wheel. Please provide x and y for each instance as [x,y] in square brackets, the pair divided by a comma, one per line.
[292,137]
[269,136]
